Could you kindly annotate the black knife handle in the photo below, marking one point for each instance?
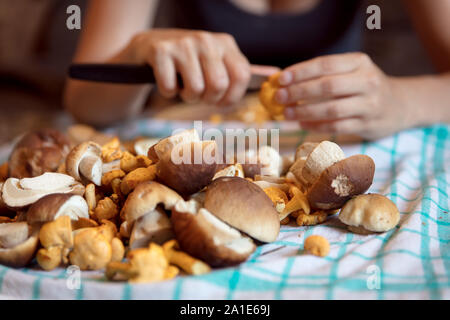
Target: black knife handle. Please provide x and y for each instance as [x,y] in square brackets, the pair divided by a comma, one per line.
[113,73]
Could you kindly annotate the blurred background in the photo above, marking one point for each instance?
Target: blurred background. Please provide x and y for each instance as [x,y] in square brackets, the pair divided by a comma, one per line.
[36,49]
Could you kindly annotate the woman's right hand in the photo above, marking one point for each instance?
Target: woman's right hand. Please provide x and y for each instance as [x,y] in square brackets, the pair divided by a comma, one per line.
[211,65]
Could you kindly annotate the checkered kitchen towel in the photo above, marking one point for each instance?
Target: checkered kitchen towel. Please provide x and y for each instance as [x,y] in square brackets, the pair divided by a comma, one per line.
[411,261]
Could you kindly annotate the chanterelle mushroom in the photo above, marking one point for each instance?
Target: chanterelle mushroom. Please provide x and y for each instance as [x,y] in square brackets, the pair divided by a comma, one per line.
[92,250]
[370,213]
[18,197]
[85,161]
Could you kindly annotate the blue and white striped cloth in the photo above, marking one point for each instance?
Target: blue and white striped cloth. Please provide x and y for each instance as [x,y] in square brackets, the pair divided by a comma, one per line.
[411,261]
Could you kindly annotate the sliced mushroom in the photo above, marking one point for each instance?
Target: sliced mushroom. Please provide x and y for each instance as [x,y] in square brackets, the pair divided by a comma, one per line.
[145,198]
[47,182]
[234,170]
[16,197]
[244,206]
[21,254]
[13,234]
[305,149]
[53,206]
[264,161]
[142,146]
[206,237]
[166,145]
[84,161]
[154,226]
[339,182]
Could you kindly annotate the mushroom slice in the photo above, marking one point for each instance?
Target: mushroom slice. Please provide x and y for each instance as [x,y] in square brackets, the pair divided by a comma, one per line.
[21,254]
[47,182]
[142,146]
[85,161]
[264,161]
[166,145]
[324,155]
[206,237]
[15,197]
[154,226]
[234,170]
[305,149]
[13,234]
[341,181]
[369,213]
[145,198]
[244,206]
[53,206]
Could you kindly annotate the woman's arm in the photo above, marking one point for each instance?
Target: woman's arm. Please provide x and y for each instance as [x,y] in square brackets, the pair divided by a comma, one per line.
[106,31]
[348,93]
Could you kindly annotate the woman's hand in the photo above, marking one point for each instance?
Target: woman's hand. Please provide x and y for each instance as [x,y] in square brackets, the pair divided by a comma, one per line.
[212,67]
[343,94]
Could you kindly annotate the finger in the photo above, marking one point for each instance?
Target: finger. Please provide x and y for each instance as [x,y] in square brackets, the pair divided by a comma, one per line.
[238,70]
[322,66]
[329,110]
[343,126]
[188,64]
[165,74]
[322,88]
[216,78]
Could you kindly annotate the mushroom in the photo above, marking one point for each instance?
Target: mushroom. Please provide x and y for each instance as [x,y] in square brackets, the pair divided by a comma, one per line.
[145,198]
[305,149]
[38,152]
[244,206]
[16,197]
[370,213]
[91,250]
[264,161]
[154,226]
[339,182]
[321,157]
[21,244]
[85,161]
[142,146]
[188,167]
[234,170]
[166,145]
[204,236]
[53,206]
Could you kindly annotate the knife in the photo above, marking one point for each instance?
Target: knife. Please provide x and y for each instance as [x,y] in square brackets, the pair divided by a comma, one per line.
[142,74]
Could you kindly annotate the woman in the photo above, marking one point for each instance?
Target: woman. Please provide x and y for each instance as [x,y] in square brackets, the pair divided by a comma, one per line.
[216,40]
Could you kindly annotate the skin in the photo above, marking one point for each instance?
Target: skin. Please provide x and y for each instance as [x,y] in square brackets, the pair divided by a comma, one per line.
[345,93]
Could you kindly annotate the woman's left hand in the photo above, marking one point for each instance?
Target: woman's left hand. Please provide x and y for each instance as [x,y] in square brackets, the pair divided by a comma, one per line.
[343,94]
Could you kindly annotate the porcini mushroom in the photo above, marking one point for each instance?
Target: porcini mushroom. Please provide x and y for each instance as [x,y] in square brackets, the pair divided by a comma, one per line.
[339,182]
[38,152]
[244,206]
[154,226]
[53,206]
[370,213]
[203,235]
[16,197]
[145,198]
[21,244]
[84,161]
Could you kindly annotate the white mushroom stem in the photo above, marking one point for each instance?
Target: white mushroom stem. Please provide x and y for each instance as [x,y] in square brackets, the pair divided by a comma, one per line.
[13,234]
[91,168]
[155,226]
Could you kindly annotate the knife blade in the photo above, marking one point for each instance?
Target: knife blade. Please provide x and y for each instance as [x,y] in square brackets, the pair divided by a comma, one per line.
[142,74]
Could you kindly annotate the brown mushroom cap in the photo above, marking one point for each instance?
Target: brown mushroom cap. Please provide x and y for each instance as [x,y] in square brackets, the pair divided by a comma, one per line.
[13,234]
[18,198]
[188,177]
[53,206]
[206,237]
[38,152]
[371,212]
[244,206]
[341,181]
[85,161]
[144,199]
[20,255]
[305,149]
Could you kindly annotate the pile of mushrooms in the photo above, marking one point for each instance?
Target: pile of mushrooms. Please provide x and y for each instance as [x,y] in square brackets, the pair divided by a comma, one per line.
[91,200]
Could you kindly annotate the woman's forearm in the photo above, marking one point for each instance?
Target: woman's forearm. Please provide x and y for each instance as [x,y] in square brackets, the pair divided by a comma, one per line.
[426,99]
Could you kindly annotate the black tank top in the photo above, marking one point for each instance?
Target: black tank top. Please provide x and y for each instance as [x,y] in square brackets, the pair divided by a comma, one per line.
[279,39]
